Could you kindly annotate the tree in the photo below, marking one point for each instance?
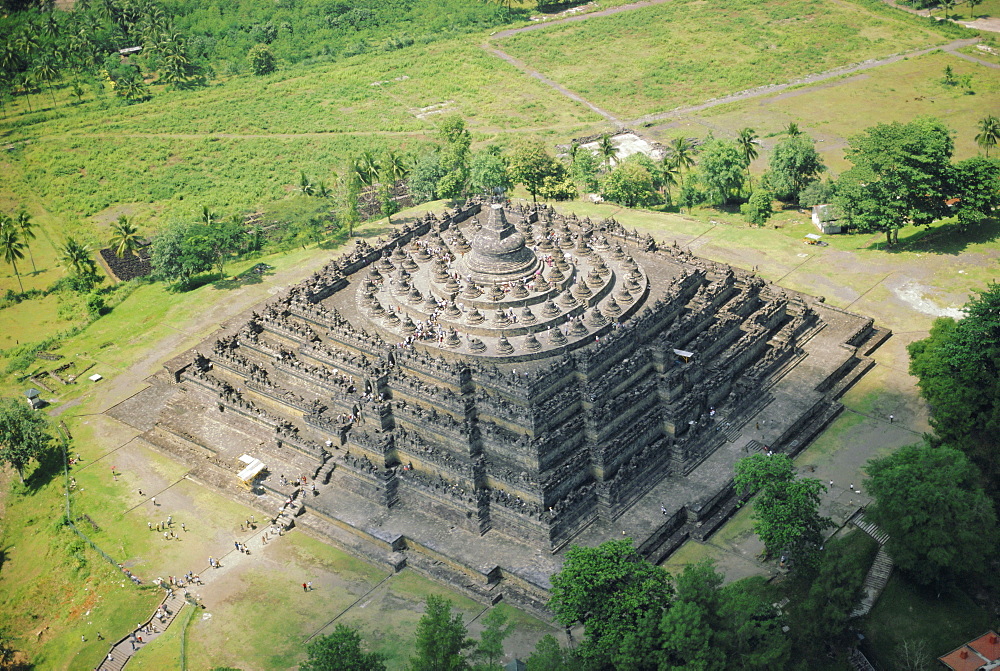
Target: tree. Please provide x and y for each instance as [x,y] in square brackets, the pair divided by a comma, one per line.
[26,229]
[819,192]
[75,256]
[608,588]
[341,651]
[939,520]
[758,209]
[45,70]
[584,169]
[454,156]
[746,141]
[346,199]
[441,639]
[424,176]
[261,60]
[833,594]
[490,646]
[124,237]
[976,186]
[957,371]
[751,631]
[305,186]
[972,7]
[548,656]
[947,6]
[487,173]
[24,434]
[792,129]
[901,175]
[721,170]
[794,164]
[529,164]
[178,252]
[630,184]
[786,509]
[367,168]
[218,239]
[989,133]
[11,246]
[607,150]
[681,152]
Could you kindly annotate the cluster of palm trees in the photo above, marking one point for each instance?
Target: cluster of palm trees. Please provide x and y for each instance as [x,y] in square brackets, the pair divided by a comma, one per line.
[15,232]
[949,5]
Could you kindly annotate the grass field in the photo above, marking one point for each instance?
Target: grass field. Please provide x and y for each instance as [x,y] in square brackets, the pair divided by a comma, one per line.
[686,51]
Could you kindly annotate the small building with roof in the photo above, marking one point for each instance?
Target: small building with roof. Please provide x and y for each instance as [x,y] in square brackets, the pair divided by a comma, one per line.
[34,398]
[981,654]
[828,219]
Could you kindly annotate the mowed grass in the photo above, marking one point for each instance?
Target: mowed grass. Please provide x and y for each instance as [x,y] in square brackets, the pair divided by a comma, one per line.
[681,52]
[836,110]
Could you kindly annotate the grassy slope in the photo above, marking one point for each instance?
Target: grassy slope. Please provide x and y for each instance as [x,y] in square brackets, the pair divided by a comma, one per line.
[684,52]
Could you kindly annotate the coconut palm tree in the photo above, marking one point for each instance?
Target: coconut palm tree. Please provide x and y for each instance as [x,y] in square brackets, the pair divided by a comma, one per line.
[607,150]
[394,167]
[746,141]
[124,237]
[972,7]
[305,185]
[670,175]
[681,155]
[11,246]
[26,229]
[367,168]
[75,256]
[989,133]
[947,6]
[792,129]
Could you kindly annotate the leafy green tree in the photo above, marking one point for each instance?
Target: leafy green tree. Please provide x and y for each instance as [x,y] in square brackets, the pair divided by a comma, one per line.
[548,656]
[529,164]
[815,193]
[721,170]
[609,589]
[584,169]
[901,175]
[454,156]
[758,209]
[425,175]
[833,594]
[976,185]
[630,184]
[220,238]
[346,199]
[487,172]
[11,246]
[24,434]
[957,371]
[794,164]
[261,60]
[27,230]
[490,646]
[747,140]
[751,631]
[341,651]
[989,133]
[939,520]
[441,639]
[124,237]
[786,508]
[180,252]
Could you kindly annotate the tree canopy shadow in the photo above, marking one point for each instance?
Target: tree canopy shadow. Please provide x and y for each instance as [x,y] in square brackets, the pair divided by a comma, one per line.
[943,239]
[48,467]
[252,275]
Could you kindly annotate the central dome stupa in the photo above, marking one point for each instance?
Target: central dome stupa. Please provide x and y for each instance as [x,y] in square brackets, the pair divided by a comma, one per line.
[498,254]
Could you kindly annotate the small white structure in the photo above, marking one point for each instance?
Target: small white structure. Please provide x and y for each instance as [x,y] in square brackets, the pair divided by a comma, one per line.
[828,219]
[626,144]
[248,476]
[95,377]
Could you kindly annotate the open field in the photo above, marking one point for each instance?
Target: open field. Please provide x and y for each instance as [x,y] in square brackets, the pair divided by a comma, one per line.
[650,60]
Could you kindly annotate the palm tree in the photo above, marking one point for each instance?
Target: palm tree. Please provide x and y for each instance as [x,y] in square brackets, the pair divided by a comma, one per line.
[305,185]
[746,141]
[26,228]
[124,237]
[670,174]
[321,190]
[792,129]
[972,8]
[947,6]
[682,152]
[607,150]
[75,256]
[367,168]
[11,247]
[207,216]
[394,167]
[989,133]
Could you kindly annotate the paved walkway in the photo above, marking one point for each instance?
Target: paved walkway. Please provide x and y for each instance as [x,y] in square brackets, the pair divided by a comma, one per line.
[123,650]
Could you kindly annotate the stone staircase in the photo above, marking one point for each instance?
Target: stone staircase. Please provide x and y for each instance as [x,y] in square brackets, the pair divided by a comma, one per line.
[869,528]
[754,447]
[859,661]
[122,651]
[286,519]
[325,471]
[881,568]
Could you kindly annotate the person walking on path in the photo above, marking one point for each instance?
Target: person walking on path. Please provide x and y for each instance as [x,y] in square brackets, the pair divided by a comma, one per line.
[304,588]
[309,586]
[153,500]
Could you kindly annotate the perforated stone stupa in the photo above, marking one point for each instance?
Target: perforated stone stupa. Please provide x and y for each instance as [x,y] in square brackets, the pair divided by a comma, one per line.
[482,389]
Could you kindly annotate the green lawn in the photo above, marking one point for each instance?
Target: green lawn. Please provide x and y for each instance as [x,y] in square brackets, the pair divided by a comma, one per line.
[686,51]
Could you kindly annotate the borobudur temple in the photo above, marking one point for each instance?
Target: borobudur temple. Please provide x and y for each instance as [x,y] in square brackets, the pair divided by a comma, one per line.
[481,389]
